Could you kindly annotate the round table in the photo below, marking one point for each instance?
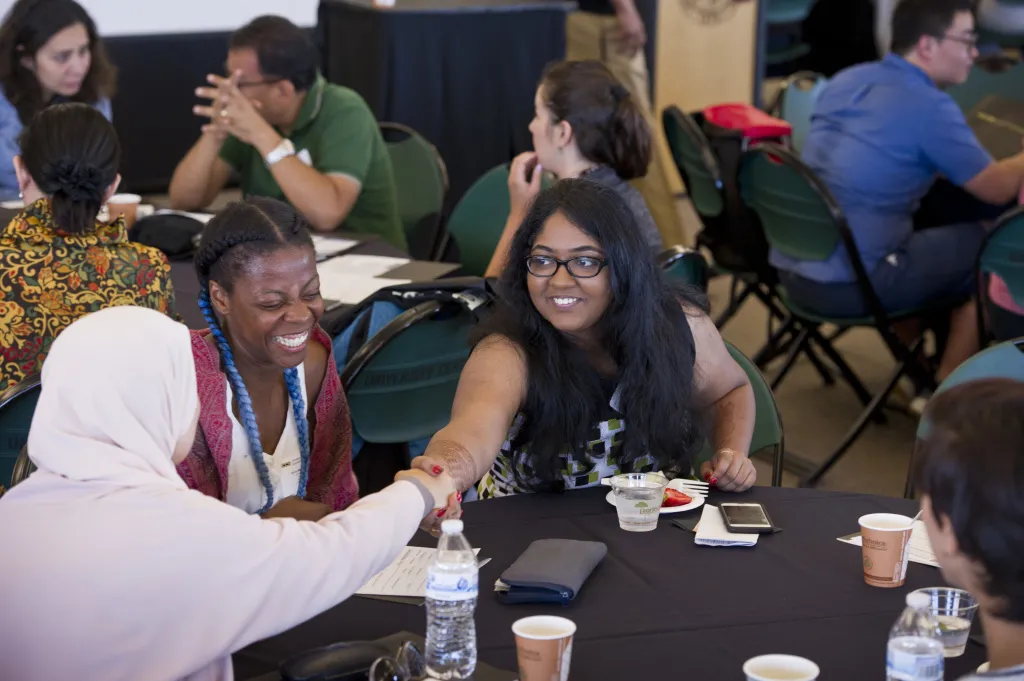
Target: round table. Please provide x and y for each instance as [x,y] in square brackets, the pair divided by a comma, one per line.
[659,604]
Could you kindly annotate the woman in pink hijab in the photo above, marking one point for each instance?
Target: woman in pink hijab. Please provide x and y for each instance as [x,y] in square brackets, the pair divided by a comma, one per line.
[112,569]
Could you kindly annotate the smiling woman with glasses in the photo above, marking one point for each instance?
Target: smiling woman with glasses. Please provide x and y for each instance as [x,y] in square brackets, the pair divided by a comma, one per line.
[592,364]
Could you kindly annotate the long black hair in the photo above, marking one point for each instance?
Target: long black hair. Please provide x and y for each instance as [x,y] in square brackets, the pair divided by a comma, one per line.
[26,28]
[72,154]
[644,330]
[243,231]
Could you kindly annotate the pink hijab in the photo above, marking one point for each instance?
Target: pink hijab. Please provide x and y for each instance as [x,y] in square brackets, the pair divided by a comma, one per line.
[113,570]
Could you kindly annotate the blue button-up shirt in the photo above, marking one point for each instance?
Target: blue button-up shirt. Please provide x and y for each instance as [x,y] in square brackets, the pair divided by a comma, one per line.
[10,131]
[880,134]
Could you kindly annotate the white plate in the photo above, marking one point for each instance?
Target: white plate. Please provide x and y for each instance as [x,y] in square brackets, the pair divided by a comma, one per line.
[698,499]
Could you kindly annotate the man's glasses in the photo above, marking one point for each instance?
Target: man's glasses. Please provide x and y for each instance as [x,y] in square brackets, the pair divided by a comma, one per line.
[582,267]
[406,665]
[969,41]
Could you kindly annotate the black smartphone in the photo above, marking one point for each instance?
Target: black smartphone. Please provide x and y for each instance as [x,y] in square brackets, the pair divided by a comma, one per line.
[746,518]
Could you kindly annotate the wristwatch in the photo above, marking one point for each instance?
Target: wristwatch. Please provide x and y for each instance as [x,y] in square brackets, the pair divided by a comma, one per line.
[283,150]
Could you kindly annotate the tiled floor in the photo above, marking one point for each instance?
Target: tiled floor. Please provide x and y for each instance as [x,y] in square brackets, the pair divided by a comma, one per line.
[816,417]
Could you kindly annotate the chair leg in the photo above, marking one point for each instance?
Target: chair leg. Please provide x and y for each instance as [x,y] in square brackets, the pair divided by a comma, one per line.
[826,375]
[794,350]
[735,302]
[858,427]
[773,348]
[908,487]
[848,375]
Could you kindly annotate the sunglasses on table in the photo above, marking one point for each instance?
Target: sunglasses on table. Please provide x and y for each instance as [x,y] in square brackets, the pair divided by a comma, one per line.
[580,267]
[407,664]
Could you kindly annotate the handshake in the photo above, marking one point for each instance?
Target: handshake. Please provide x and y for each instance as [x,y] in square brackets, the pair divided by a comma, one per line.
[447,498]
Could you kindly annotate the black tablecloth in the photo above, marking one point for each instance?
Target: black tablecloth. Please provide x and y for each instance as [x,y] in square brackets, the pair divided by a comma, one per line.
[659,604]
[461,72]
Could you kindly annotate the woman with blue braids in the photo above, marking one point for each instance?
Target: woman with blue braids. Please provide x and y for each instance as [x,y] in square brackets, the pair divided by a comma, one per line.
[274,434]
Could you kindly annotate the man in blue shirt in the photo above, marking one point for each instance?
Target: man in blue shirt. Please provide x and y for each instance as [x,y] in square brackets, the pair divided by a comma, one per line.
[880,135]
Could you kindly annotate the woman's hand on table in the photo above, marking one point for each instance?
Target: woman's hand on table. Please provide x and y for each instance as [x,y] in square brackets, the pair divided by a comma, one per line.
[523,182]
[447,500]
[729,471]
[298,508]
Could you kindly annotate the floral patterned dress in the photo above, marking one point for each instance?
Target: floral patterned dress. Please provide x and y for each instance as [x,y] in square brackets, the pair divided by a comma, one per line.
[49,278]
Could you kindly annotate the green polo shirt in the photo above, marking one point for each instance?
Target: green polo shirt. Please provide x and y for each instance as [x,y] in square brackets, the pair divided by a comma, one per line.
[338,135]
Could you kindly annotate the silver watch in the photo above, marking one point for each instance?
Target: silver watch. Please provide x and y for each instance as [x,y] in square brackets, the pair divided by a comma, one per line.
[283,150]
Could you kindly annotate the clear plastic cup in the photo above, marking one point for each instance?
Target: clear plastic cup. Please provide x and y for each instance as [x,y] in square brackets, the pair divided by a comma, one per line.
[955,610]
[638,500]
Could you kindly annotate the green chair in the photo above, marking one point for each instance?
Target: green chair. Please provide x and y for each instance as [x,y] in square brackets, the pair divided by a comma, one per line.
[1005,360]
[735,242]
[23,467]
[479,218]
[401,383]
[1002,254]
[795,103]
[685,265]
[17,404]
[768,440]
[802,219]
[421,184]
[787,15]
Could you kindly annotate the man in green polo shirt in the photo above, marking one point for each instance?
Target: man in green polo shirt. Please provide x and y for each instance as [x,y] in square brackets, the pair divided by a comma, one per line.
[290,135]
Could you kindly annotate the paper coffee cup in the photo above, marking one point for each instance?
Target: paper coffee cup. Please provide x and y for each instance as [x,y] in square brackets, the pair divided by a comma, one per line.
[544,647]
[779,668]
[885,547]
[126,205]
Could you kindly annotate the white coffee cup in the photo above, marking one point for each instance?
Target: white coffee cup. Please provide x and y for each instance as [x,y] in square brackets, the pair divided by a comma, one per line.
[126,205]
[780,668]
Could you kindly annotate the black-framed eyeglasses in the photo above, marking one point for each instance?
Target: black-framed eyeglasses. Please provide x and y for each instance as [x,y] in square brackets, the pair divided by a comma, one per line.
[406,665]
[580,267]
[969,41]
[253,83]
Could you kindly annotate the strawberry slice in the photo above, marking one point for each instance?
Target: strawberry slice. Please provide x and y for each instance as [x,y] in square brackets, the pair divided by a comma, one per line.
[675,498]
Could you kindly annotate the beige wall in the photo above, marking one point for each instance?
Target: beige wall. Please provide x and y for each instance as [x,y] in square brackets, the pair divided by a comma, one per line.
[698,64]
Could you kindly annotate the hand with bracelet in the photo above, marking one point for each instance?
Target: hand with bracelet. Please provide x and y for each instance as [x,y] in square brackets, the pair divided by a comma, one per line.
[729,471]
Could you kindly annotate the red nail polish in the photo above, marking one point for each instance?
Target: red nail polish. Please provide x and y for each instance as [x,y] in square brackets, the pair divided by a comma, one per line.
[459,497]
[707,476]
[714,481]
[438,470]
[441,512]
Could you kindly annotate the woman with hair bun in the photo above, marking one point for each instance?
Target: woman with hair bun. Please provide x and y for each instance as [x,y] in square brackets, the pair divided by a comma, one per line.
[57,262]
[586,125]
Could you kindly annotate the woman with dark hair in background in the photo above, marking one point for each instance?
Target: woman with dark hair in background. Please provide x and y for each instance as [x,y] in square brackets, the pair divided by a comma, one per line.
[49,53]
[586,125]
[592,364]
[262,361]
[57,263]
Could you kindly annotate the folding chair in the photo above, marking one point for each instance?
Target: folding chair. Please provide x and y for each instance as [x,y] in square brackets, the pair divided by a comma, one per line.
[768,440]
[685,265]
[1005,360]
[787,15]
[802,219]
[17,404]
[730,234]
[1002,254]
[478,220]
[421,185]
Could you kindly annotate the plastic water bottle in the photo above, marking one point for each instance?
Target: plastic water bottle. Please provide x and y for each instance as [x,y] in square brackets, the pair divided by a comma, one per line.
[915,644]
[451,599]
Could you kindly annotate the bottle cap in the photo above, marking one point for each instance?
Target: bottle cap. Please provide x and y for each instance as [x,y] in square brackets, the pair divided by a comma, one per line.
[917,600]
[455,526]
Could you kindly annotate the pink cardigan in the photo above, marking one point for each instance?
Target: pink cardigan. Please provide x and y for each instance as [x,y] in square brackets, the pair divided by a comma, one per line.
[331,480]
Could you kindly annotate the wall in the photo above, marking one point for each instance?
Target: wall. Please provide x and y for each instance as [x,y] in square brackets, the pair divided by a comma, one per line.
[144,17]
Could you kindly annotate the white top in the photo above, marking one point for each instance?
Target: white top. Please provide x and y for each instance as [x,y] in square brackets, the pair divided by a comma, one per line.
[245,490]
[140,578]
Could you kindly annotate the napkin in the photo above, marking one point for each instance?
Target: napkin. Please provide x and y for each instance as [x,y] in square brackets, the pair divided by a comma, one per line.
[711,531]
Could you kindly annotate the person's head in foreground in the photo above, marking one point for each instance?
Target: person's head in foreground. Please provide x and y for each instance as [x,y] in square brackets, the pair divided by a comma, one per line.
[583,117]
[969,471]
[278,65]
[48,49]
[70,155]
[133,550]
[938,36]
[261,298]
[583,301]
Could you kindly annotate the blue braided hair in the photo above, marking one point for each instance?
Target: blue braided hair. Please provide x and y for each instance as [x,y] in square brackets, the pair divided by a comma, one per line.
[241,231]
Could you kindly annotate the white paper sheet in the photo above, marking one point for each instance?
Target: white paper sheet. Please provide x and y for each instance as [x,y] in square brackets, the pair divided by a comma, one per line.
[406,576]
[920,546]
[350,288]
[366,265]
[711,531]
[327,246]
